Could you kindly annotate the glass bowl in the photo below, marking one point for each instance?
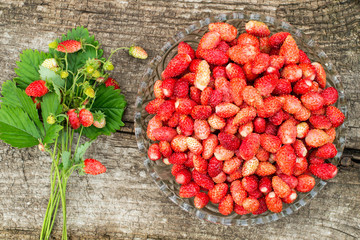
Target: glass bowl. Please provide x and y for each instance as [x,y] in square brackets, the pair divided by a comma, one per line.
[161,173]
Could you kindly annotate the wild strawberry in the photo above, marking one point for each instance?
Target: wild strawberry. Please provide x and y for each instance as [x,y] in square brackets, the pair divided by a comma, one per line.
[332,134]
[189,190]
[291,181]
[248,72]
[234,71]
[154,105]
[201,112]
[277,39]
[262,155]
[238,193]
[302,86]
[291,198]
[165,148]
[154,152]
[229,141]
[203,180]
[195,94]
[277,61]
[291,72]
[164,134]
[248,39]
[168,86]
[265,185]
[194,65]
[321,111]
[227,32]
[223,46]
[201,200]
[260,63]
[259,125]
[256,28]
[286,159]
[242,54]
[69,46]
[183,176]
[219,71]
[251,204]
[214,56]
[215,98]
[185,48]
[308,71]
[250,183]
[290,50]
[303,58]
[326,151]
[271,129]
[320,122]
[226,205]
[93,167]
[244,116]
[303,114]
[271,106]
[330,96]
[194,145]
[73,119]
[184,105]
[86,118]
[111,82]
[176,66]
[320,74]
[249,146]
[264,45]
[165,110]
[270,143]
[316,138]
[236,87]
[176,168]
[300,148]
[301,165]
[312,101]
[158,93]
[226,110]
[272,70]
[250,167]
[218,192]
[335,116]
[153,124]
[231,165]
[189,77]
[181,88]
[138,52]
[230,127]
[209,145]
[287,132]
[223,85]
[214,167]
[324,171]
[306,183]
[221,153]
[277,118]
[245,130]
[281,188]
[252,97]
[205,95]
[292,104]
[266,84]
[202,77]
[265,169]
[173,120]
[36,89]
[179,143]
[220,178]
[283,87]
[273,202]
[239,209]
[210,40]
[177,158]
[186,125]
[216,122]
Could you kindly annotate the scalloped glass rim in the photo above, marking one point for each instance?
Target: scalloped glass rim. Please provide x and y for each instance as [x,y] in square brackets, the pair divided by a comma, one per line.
[160,172]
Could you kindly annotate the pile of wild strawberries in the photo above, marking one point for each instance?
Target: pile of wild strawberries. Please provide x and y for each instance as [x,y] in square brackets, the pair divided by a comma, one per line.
[245,121]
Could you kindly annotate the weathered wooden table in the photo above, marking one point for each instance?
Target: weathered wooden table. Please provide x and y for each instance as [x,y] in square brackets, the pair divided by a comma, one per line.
[124,203]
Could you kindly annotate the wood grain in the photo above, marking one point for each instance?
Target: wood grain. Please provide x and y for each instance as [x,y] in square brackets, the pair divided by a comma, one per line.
[125,203]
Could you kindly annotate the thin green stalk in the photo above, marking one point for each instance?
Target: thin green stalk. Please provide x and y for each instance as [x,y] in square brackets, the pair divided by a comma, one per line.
[112,52]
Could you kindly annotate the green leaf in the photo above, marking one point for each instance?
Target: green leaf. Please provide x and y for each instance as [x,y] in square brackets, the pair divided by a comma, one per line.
[81,151]
[28,67]
[16,127]
[112,104]
[16,97]
[50,105]
[65,157]
[52,133]
[53,79]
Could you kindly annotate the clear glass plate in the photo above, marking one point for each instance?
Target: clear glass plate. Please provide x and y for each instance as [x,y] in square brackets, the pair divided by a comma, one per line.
[161,173]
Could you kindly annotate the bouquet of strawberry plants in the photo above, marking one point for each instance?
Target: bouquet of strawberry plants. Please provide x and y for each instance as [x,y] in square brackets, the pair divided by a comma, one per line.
[58,97]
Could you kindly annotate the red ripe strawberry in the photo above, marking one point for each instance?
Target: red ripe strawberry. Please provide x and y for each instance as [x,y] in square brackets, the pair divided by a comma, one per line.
[271,106]
[300,166]
[154,152]
[259,125]
[164,134]
[291,181]
[335,116]
[270,143]
[280,187]
[154,105]
[86,118]
[230,127]
[308,71]
[153,124]
[249,146]
[250,167]
[291,72]
[240,210]
[231,165]
[277,39]
[221,153]
[168,86]
[303,114]
[330,96]
[214,167]
[209,41]
[265,185]
[176,66]
[272,70]
[286,159]
[326,151]
[306,183]
[201,112]
[189,190]
[291,198]
[215,98]
[265,169]
[223,46]
[273,202]
[256,28]
[186,125]
[176,168]
[266,84]
[262,206]
[69,46]
[262,155]
[181,89]
[227,32]
[242,54]
[36,89]
[252,97]
[174,120]
[250,183]
[195,94]
[112,82]
[226,110]
[214,56]
[179,143]
[223,85]
[264,45]
[312,101]
[320,122]
[189,77]
[245,130]
[185,48]
[277,61]
[244,116]
[165,148]
[251,204]
[324,171]
[300,148]
[218,192]
[216,122]
[277,118]
[201,200]
[236,87]
[302,129]
[287,132]
[260,63]
[165,110]
[302,86]
[93,167]
[248,39]
[248,72]
[73,119]
[190,160]
[229,141]
[202,77]
[234,71]
[332,134]
[316,138]
[271,129]
[194,145]
[220,178]
[226,205]
[303,58]
[219,71]
[283,87]
[194,65]
[184,105]
[320,74]
[290,50]
[183,176]
[238,193]
[292,104]
[203,180]
[177,158]
[313,159]
[209,145]
[158,93]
